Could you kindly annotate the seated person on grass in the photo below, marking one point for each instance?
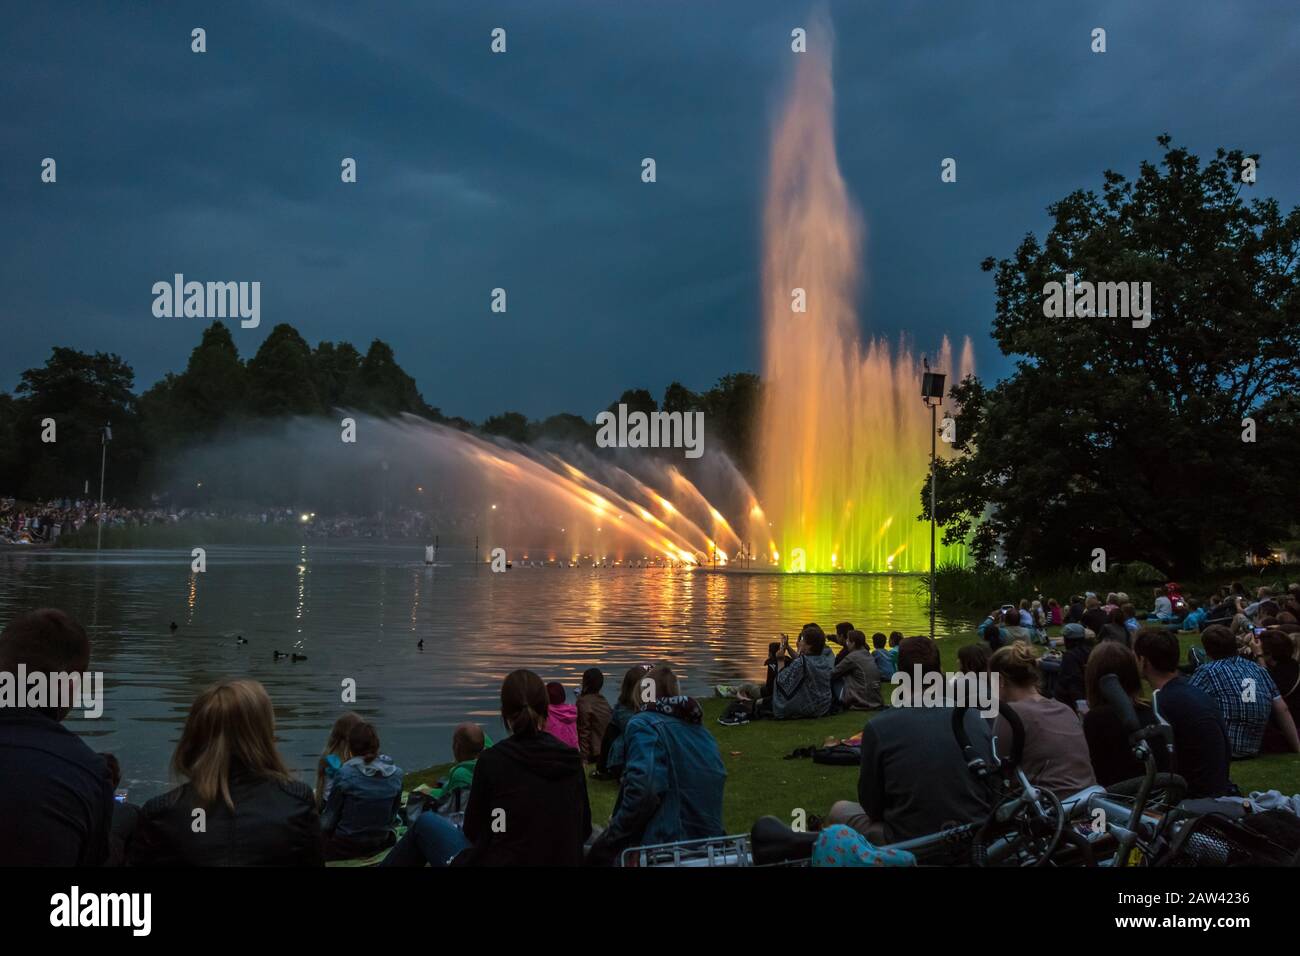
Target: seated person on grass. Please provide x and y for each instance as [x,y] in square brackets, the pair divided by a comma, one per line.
[673,777]
[884,660]
[530,782]
[1201,748]
[803,687]
[1074,660]
[1278,653]
[334,755]
[56,798]
[594,714]
[610,763]
[1108,738]
[913,780]
[776,659]
[1056,752]
[1195,616]
[467,742]
[1012,629]
[1245,693]
[841,638]
[974,658]
[857,670]
[357,818]
[1164,608]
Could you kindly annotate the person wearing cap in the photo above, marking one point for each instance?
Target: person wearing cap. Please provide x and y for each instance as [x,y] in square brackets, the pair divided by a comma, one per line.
[1074,662]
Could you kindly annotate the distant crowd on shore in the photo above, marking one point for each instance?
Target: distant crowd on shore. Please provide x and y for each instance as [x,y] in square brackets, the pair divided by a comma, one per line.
[523,800]
[46,522]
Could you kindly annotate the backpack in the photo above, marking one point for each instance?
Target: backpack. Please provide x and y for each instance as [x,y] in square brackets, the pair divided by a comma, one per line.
[838,755]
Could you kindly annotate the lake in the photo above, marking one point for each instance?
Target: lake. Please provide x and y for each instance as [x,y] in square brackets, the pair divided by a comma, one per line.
[357,610]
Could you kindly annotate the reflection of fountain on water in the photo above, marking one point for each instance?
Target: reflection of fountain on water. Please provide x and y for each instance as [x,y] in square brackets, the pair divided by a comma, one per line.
[845,436]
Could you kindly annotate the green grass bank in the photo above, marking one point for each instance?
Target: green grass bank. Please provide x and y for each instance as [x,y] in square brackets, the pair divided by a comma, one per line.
[761,781]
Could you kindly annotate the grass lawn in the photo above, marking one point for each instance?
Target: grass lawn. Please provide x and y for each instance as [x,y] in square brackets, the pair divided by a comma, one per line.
[760,781]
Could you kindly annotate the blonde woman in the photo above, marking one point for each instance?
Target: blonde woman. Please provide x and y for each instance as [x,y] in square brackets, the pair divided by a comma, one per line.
[239,805]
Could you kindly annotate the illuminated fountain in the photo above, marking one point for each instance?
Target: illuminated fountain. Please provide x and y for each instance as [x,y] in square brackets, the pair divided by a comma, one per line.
[845,436]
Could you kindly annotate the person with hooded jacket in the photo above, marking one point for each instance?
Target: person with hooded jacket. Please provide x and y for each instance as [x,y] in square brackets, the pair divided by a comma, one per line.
[527,805]
[561,718]
[367,793]
[672,782]
[803,687]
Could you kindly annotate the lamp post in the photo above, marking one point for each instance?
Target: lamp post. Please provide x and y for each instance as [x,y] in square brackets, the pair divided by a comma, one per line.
[105,436]
[932,395]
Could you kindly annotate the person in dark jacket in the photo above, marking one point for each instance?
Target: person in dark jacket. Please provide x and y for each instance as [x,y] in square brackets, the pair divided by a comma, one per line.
[1075,614]
[528,803]
[56,798]
[1202,753]
[913,779]
[1069,680]
[594,715]
[358,816]
[239,805]
[673,779]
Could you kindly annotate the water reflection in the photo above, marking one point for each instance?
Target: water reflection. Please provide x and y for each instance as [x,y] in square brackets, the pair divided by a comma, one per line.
[358,611]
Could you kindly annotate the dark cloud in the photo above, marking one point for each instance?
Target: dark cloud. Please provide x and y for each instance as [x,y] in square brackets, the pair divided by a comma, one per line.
[522,170]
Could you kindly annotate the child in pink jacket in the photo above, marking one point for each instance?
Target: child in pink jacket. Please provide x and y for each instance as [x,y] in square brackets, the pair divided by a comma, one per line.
[561,718]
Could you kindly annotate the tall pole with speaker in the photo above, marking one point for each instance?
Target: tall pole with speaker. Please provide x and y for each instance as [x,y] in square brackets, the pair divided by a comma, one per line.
[932,395]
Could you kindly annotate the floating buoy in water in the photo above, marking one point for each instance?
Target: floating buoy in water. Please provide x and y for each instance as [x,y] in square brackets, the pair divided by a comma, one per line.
[278,655]
[298,657]
[420,643]
[172,627]
[240,640]
[428,554]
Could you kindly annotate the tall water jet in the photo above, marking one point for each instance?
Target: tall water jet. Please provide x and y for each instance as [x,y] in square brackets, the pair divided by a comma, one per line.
[844,437]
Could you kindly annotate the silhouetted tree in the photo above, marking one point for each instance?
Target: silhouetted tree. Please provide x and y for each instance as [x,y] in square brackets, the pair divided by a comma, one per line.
[1131,439]
[82,393]
[280,376]
[512,425]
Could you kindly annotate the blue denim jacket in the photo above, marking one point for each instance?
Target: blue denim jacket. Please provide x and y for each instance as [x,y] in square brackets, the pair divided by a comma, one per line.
[672,780]
[364,798]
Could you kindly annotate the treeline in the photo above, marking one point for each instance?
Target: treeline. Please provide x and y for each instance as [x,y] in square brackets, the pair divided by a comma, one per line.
[50,428]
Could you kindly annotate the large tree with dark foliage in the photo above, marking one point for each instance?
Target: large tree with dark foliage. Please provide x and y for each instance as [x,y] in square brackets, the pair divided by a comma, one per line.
[1131,439]
[80,393]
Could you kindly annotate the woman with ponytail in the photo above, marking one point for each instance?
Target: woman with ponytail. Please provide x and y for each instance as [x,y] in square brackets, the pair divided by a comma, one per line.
[528,802]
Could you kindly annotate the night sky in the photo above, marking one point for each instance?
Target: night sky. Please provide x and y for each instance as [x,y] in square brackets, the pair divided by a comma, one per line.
[522,170]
